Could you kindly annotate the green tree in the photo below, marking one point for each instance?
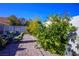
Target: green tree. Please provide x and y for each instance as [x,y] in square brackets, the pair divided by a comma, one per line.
[12,19]
[54,38]
[15,21]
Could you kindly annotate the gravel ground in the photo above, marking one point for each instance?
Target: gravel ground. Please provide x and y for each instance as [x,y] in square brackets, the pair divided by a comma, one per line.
[27,47]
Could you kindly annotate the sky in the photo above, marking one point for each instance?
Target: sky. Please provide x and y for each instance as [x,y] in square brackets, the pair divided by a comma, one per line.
[41,10]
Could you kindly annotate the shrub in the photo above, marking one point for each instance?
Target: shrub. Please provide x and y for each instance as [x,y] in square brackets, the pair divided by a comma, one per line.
[32,26]
[18,38]
[3,43]
[54,38]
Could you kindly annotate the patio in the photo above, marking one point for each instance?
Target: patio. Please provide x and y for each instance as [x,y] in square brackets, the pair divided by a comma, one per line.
[26,47]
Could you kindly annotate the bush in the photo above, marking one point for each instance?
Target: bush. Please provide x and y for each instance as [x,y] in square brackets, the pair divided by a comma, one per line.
[3,43]
[32,26]
[54,38]
[18,38]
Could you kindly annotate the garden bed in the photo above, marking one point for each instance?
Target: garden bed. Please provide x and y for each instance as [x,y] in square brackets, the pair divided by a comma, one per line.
[10,37]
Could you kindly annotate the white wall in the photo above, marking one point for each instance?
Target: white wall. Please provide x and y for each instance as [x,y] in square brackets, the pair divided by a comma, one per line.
[15,28]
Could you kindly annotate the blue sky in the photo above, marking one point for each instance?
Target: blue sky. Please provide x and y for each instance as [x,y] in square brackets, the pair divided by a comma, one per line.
[42,10]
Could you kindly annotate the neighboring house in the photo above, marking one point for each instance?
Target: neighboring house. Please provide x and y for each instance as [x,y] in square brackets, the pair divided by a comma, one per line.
[75,22]
[47,23]
[74,46]
[4,26]
[3,22]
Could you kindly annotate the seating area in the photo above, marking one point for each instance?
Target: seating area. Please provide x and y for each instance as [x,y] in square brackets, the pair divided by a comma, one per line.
[10,37]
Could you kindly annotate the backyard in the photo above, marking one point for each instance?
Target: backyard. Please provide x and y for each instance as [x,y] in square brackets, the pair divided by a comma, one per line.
[54,37]
[26,47]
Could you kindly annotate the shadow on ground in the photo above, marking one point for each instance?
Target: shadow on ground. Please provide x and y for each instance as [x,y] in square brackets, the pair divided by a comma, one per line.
[28,41]
[11,49]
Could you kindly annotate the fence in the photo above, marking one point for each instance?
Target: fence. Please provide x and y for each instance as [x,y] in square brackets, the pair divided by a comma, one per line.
[15,28]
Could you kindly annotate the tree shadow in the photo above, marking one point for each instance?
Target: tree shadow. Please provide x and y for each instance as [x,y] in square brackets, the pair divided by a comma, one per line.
[28,41]
[11,50]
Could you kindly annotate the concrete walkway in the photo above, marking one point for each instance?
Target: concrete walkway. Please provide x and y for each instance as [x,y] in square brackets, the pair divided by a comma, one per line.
[27,47]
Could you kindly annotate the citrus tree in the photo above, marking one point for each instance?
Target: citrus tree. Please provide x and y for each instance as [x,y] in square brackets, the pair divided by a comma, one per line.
[54,38]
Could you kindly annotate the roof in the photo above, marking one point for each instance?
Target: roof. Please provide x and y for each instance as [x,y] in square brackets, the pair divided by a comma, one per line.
[4,20]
